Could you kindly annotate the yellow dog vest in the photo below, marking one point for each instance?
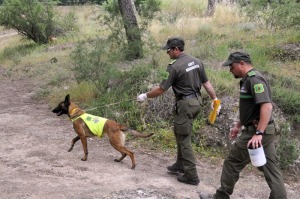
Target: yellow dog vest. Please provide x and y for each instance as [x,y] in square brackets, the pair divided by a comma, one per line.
[95,123]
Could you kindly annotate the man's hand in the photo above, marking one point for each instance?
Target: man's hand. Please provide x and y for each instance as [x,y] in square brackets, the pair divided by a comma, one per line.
[255,141]
[234,132]
[142,97]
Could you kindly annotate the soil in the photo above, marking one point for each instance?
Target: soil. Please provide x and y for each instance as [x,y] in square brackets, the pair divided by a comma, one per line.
[35,164]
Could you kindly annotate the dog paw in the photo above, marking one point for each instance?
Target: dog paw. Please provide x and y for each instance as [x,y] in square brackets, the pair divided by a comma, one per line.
[83,159]
[117,160]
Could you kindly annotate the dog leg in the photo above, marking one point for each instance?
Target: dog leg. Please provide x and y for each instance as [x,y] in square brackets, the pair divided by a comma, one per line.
[124,151]
[85,150]
[121,158]
[73,142]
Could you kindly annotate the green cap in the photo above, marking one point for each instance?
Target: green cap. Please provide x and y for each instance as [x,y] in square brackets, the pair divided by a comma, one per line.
[173,42]
[237,57]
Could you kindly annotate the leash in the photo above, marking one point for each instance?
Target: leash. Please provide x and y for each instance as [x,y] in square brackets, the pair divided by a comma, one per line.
[107,105]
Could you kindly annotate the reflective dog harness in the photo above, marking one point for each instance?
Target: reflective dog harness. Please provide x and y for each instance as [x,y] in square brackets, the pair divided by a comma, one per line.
[95,123]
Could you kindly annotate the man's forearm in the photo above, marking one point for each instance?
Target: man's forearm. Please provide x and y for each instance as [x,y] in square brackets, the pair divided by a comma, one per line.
[156,91]
[210,90]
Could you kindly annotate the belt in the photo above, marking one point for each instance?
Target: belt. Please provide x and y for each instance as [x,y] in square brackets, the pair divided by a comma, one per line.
[252,123]
[181,97]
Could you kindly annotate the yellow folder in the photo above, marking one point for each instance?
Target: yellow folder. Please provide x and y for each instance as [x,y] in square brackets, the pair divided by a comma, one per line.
[213,114]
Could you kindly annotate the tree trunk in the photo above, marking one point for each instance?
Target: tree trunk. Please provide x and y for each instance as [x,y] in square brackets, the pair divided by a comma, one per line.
[133,33]
[211,6]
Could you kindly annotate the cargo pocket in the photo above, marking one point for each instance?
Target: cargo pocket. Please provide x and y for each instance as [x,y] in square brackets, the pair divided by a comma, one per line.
[183,127]
[194,108]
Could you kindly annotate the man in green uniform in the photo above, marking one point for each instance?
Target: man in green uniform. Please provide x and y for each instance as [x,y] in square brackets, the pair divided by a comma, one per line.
[186,75]
[256,116]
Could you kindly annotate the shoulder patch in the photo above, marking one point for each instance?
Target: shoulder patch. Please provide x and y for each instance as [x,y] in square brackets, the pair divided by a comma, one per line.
[251,73]
[173,61]
[259,88]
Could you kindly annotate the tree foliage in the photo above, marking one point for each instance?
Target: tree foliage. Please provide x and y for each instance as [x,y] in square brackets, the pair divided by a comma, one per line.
[30,18]
[114,21]
[274,14]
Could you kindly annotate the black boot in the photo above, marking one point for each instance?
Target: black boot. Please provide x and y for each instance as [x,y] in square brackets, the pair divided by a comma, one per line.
[192,181]
[175,169]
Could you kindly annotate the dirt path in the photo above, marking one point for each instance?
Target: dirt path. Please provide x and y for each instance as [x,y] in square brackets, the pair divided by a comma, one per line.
[35,164]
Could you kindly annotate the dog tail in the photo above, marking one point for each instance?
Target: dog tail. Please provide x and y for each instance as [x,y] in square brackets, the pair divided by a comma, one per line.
[138,134]
[135,133]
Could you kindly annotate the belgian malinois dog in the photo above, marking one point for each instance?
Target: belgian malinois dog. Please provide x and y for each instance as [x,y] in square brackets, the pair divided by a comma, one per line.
[84,126]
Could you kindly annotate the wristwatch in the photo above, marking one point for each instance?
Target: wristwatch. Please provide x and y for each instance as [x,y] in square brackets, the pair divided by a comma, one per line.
[258,132]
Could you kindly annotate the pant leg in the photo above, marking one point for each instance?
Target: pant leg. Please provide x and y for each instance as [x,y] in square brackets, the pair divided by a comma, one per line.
[179,160]
[188,157]
[273,174]
[235,162]
[271,169]
[186,111]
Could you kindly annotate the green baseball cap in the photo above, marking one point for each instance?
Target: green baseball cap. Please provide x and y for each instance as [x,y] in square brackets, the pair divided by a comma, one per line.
[173,42]
[237,57]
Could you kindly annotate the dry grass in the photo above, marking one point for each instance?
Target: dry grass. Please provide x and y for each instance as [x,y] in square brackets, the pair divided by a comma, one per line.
[178,18]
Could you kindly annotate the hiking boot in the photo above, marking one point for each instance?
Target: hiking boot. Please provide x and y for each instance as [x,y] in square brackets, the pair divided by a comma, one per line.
[206,196]
[175,169]
[184,179]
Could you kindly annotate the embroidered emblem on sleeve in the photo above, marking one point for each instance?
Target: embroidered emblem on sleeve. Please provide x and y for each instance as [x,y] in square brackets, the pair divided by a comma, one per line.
[259,88]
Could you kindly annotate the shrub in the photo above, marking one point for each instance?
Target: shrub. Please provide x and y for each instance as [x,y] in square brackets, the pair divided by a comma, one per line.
[30,18]
[92,63]
[274,14]
[287,148]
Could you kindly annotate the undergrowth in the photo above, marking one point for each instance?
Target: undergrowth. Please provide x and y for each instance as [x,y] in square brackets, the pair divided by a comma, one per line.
[97,77]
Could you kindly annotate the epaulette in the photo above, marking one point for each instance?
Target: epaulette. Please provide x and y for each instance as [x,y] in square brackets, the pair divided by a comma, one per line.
[173,61]
[251,73]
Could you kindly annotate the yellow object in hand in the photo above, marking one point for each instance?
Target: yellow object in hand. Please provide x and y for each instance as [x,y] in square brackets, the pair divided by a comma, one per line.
[213,114]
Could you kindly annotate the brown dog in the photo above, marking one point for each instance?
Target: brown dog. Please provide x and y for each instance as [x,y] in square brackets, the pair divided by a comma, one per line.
[85,128]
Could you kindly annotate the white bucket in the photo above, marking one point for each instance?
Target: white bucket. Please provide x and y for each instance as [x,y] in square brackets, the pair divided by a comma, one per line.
[257,156]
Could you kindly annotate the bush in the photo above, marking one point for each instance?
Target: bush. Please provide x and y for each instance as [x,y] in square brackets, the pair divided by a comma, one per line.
[287,148]
[93,63]
[274,14]
[30,18]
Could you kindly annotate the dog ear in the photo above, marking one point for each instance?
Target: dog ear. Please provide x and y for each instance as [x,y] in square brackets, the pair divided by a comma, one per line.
[67,99]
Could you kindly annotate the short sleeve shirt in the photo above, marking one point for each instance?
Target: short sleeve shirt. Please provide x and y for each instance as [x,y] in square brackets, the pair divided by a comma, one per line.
[254,90]
[185,75]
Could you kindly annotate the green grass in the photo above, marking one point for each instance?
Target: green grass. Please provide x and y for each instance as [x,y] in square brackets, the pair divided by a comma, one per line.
[112,94]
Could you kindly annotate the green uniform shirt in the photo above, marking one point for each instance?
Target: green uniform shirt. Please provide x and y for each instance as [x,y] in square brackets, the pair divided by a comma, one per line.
[95,123]
[254,90]
[185,75]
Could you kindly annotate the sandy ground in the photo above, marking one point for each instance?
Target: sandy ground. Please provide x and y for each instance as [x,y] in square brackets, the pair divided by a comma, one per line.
[35,164]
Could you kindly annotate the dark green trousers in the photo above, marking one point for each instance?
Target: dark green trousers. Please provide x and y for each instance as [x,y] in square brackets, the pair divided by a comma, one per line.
[238,158]
[185,112]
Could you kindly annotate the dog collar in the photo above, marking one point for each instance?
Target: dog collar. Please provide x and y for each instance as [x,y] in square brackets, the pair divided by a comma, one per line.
[74,119]
[73,111]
